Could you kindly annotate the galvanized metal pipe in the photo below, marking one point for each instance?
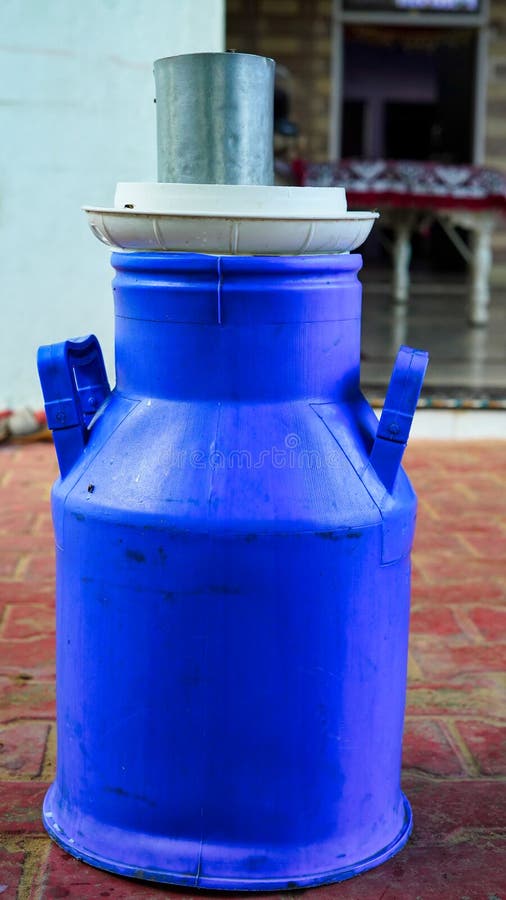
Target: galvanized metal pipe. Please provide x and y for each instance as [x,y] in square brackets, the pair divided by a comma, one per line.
[215,118]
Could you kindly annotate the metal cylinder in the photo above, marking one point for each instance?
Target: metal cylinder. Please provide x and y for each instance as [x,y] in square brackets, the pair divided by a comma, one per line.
[215,118]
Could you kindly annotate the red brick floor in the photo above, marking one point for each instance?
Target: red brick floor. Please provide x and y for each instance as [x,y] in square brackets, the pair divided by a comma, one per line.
[454,756]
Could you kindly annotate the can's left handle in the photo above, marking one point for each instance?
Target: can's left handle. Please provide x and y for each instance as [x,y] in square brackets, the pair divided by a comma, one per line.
[74,384]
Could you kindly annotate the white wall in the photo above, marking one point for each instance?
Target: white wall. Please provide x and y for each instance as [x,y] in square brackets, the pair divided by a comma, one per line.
[76,116]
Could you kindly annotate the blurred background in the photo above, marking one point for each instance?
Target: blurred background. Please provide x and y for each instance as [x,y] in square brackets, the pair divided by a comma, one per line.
[422,81]
[419,80]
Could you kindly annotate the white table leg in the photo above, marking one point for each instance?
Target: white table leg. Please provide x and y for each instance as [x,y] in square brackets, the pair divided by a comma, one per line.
[401,259]
[480,272]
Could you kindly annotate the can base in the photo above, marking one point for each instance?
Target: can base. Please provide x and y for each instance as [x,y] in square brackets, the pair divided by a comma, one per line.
[233,883]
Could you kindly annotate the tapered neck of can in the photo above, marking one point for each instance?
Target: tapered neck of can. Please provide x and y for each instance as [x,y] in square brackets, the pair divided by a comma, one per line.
[237,328]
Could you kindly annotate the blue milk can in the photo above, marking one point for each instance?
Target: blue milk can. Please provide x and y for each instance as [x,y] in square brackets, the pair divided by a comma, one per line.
[233,534]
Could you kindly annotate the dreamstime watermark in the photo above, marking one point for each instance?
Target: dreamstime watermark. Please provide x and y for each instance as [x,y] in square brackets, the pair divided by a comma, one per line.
[293,455]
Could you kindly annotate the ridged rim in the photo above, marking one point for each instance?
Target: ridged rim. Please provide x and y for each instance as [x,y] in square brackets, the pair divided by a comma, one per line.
[162,261]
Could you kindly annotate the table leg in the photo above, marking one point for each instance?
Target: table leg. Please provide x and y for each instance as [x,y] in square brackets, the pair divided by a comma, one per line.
[401,259]
[480,273]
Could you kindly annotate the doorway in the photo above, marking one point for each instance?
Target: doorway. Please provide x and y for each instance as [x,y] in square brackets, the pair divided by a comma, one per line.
[409,94]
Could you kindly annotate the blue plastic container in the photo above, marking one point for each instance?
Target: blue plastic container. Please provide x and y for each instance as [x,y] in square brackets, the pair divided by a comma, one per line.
[233,536]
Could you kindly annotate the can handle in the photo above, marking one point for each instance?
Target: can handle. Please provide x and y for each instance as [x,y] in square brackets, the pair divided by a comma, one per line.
[74,384]
[400,405]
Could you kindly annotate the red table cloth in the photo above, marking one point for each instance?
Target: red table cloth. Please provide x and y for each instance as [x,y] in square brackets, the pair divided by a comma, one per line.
[408,184]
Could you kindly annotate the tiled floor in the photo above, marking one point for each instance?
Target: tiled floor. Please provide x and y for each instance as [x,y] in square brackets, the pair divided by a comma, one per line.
[454,758]
[466,362]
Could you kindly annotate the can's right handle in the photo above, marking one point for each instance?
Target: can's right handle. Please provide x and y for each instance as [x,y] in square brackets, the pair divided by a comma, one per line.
[400,405]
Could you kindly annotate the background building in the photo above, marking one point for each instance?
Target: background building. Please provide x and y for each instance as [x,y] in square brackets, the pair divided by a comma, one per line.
[386,78]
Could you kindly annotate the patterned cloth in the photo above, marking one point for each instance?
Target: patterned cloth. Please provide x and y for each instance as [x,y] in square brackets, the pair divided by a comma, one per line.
[405,183]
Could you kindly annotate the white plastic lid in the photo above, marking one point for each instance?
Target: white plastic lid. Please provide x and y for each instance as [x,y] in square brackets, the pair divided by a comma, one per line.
[241,201]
